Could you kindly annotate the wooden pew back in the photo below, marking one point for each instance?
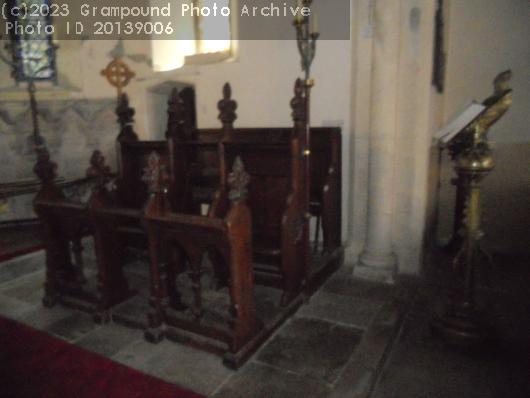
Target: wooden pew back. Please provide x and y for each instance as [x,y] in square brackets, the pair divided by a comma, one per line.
[131,191]
[266,153]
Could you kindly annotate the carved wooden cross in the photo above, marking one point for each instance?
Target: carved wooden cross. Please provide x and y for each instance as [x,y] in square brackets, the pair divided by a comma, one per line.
[118,74]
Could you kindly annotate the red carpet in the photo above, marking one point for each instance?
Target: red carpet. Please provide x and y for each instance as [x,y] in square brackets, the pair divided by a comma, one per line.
[13,254]
[17,239]
[36,365]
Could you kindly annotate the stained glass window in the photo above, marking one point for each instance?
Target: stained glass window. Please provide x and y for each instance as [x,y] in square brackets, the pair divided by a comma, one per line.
[32,48]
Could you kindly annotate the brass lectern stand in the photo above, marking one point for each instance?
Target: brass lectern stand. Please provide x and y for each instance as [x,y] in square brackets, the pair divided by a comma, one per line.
[465,322]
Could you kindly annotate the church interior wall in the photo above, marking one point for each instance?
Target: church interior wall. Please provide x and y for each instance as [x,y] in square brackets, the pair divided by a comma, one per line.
[72,129]
[262,79]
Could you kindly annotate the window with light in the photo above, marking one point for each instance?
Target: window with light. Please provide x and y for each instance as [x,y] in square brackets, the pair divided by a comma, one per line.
[33,53]
[199,39]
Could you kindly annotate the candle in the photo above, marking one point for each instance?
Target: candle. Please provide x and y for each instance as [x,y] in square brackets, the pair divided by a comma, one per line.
[315,23]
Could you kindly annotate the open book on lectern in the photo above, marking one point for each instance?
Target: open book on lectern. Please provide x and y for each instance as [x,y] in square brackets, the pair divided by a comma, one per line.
[467,114]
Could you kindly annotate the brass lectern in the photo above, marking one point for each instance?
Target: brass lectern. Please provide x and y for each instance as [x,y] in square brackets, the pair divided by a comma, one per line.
[465,322]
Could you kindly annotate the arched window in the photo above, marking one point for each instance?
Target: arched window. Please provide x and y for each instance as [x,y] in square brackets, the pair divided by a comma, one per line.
[204,33]
[213,32]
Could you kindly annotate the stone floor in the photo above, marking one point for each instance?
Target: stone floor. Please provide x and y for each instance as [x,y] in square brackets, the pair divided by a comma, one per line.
[421,364]
[332,347]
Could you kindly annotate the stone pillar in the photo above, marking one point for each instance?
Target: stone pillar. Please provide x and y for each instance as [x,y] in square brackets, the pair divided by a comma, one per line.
[377,260]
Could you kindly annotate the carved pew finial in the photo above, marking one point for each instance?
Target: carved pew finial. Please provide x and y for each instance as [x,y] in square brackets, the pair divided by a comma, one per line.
[298,103]
[124,111]
[155,175]
[176,116]
[99,173]
[45,168]
[126,119]
[238,181]
[227,107]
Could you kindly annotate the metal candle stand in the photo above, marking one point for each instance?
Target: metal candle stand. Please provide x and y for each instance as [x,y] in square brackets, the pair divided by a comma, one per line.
[305,39]
[306,42]
[30,76]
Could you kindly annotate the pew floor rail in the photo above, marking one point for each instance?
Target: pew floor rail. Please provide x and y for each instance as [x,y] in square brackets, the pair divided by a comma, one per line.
[131,310]
[211,332]
[208,332]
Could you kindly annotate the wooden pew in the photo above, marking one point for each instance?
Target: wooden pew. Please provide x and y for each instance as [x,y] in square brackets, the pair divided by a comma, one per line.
[178,239]
[196,163]
[119,221]
[195,236]
[155,209]
[325,165]
[269,157]
[64,224]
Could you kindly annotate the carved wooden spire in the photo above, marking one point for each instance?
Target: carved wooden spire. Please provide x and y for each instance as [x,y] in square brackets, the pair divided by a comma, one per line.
[124,111]
[227,107]
[176,116]
[126,119]
[298,103]
[99,173]
[155,174]
[45,169]
[238,181]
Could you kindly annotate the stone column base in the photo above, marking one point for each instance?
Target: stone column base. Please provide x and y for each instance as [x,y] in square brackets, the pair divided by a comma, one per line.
[376,268]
